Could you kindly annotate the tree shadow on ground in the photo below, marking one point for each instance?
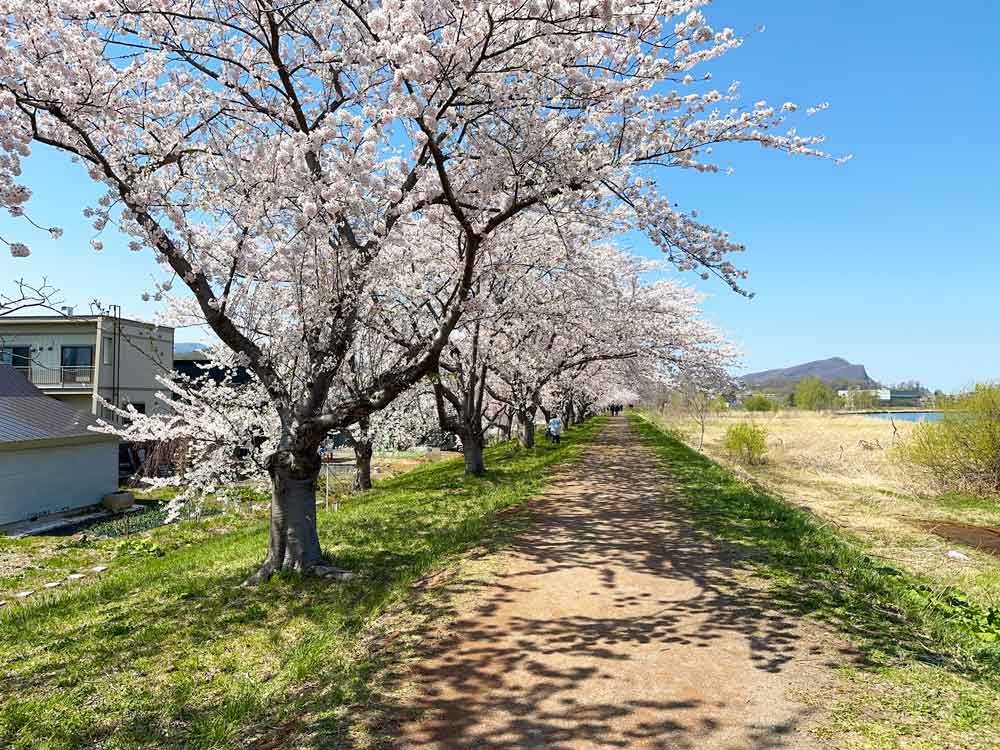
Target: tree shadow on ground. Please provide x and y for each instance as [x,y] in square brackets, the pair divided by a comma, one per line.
[501,677]
[172,652]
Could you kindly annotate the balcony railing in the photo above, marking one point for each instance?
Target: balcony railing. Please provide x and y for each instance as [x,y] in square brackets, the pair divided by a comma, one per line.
[76,376]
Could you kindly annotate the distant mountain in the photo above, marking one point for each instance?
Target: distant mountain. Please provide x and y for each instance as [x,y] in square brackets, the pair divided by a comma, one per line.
[186,347]
[834,370]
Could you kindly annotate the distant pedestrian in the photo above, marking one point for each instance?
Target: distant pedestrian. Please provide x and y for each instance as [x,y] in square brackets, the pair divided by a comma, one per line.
[555,429]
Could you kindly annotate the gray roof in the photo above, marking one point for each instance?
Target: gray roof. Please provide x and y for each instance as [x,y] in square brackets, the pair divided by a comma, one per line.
[28,415]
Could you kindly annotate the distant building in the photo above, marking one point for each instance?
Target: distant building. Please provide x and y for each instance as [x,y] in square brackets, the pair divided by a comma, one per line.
[906,398]
[49,460]
[882,397]
[76,358]
[856,398]
[193,364]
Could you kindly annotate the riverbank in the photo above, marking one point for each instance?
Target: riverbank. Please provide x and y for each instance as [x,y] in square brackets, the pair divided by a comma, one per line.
[844,468]
[919,670]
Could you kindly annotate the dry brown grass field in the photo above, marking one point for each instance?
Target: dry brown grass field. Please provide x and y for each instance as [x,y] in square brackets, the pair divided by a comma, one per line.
[845,469]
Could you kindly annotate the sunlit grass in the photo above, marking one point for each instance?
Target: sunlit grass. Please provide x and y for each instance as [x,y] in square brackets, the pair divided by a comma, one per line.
[172,652]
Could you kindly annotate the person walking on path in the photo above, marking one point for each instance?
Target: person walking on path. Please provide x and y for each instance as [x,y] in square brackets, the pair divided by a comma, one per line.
[555,429]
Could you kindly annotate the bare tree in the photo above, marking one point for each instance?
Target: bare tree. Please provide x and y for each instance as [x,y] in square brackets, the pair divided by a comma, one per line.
[27,295]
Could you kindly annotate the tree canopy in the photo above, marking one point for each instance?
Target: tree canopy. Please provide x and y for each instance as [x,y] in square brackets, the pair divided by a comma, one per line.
[313,170]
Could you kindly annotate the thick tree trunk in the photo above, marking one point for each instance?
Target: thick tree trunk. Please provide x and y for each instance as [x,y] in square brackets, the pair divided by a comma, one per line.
[527,430]
[294,541]
[363,465]
[472,445]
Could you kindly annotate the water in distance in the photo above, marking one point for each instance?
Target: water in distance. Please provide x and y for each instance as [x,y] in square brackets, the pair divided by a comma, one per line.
[908,416]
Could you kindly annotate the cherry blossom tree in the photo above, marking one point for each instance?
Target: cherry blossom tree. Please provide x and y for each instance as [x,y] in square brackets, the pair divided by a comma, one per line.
[397,426]
[503,308]
[289,162]
[221,431]
[594,312]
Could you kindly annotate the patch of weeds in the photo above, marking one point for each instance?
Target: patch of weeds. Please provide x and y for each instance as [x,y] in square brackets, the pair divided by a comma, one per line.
[138,547]
[964,501]
[130,523]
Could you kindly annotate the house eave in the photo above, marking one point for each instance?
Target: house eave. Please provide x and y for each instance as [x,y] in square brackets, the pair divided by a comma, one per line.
[55,442]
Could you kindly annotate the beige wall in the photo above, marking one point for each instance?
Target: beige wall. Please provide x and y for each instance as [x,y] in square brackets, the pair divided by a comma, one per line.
[46,342]
[145,351]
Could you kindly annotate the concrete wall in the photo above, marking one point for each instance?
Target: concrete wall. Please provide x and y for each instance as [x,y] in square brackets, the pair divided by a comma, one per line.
[84,402]
[43,480]
[145,352]
[46,342]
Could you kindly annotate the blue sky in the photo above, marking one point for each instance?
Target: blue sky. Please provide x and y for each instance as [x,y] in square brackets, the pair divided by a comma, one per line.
[890,260]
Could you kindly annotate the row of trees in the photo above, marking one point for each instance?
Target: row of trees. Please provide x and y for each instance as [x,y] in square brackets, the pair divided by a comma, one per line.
[362,197]
[812,394]
[559,336]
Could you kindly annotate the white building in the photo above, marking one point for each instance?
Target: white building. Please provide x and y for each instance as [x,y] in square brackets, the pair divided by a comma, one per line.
[879,396]
[77,358]
[49,460]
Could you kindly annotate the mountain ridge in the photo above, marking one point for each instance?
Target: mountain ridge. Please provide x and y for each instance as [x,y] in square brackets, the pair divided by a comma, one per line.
[831,370]
[187,347]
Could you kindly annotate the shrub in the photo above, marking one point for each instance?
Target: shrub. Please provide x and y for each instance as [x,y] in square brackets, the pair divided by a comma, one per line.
[747,443]
[757,402]
[813,394]
[962,451]
[138,547]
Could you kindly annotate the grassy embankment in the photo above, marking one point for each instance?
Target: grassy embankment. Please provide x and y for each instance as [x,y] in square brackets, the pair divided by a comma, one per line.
[28,563]
[845,468]
[928,675]
[170,651]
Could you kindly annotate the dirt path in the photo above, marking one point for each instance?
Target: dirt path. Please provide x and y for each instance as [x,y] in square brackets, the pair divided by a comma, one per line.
[615,625]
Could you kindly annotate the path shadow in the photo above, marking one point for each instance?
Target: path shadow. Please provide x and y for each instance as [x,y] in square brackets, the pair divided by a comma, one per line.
[504,678]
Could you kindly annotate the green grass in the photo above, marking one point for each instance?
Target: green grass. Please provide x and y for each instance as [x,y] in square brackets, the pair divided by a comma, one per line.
[169,651]
[921,645]
[966,501]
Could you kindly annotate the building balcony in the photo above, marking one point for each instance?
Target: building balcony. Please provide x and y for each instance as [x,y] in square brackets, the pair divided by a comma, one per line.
[69,378]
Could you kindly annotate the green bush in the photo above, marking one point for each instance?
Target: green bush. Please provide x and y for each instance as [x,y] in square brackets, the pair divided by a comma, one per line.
[962,451]
[747,443]
[138,547]
[757,402]
[813,394]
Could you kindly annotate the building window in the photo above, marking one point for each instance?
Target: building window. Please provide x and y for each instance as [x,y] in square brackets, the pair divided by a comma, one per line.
[77,364]
[109,350]
[18,357]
